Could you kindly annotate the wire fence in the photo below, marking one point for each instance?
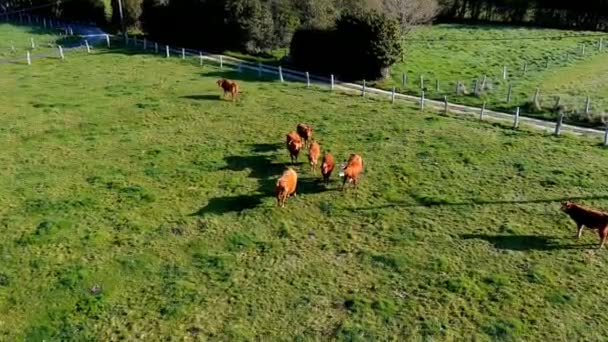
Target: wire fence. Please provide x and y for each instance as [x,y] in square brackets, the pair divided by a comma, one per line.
[330,82]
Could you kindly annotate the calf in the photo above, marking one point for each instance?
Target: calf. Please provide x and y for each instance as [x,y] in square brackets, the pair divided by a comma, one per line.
[327,166]
[584,217]
[313,155]
[229,87]
[305,132]
[294,145]
[352,170]
[286,186]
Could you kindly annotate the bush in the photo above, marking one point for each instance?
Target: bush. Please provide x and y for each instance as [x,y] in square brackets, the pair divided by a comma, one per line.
[361,46]
[84,10]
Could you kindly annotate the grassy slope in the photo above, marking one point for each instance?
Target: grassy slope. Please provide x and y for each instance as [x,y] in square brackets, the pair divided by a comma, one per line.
[136,204]
[19,37]
[454,60]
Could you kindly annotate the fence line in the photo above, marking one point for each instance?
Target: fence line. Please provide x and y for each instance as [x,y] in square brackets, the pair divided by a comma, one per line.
[330,81]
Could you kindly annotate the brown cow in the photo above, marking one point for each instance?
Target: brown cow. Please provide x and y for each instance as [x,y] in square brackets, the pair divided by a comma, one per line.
[286,186]
[327,166]
[305,132]
[584,217]
[314,152]
[352,170]
[230,87]
[294,145]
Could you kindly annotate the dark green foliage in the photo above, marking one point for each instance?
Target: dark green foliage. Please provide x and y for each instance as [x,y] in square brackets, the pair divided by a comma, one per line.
[361,46]
[131,10]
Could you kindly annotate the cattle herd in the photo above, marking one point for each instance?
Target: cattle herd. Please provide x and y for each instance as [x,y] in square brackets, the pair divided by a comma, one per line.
[350,171]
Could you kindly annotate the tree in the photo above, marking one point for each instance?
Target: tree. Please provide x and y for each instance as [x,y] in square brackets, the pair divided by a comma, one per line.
[410,13]
[131,9]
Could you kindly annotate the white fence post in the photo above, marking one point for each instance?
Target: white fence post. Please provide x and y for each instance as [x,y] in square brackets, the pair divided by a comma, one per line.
[516,119]
[86,42]
[259,69]
[483,110]
[145,44]
[363,89]
[71,31]
[307,80]
[108,40]
[509,93]
[558,125]
[525,68]
[422,82]
[167,53]
[183,53]
[422,100]
[445,104]
[281,74]
[393,95]
[332,82]
[33,43]
[601,44]
[200,56]
[606,136]
[504,72]
[536,96]
[44,22]
[583,49]
[61,53]
[28,58]
[588,105]
[221,62]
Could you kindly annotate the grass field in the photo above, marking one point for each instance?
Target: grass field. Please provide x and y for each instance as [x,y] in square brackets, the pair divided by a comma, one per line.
[451,53]
[136,204]
[18,37]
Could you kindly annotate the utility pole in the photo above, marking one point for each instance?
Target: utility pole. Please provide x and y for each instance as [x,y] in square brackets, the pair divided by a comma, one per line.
[122,20]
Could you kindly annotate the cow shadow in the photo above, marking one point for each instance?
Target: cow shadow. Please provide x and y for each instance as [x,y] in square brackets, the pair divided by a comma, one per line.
[523,243]
[227,204]
[207,97]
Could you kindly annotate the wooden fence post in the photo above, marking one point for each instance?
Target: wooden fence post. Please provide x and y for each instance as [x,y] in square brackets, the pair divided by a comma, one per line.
[363,89]
[558,101]
[28,58]
[61,53]
[445,104]
[516,119]
[588,105]
[332,82]
[457,88]
[393,95]
[145,44]
[281,74]
[606,136]
[307,80]
[483,110]
[86,42]
[167,52]
[403,79]
[437,85]
[509,93]
[183,53]
[422,100]
[558,125]
[525,68]
[44,22]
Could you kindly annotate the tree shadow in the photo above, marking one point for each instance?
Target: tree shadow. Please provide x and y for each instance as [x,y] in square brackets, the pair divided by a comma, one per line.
[522,243]
[227,204]
[206,97]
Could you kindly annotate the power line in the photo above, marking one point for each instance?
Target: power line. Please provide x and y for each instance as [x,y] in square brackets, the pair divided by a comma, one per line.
[29,9]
